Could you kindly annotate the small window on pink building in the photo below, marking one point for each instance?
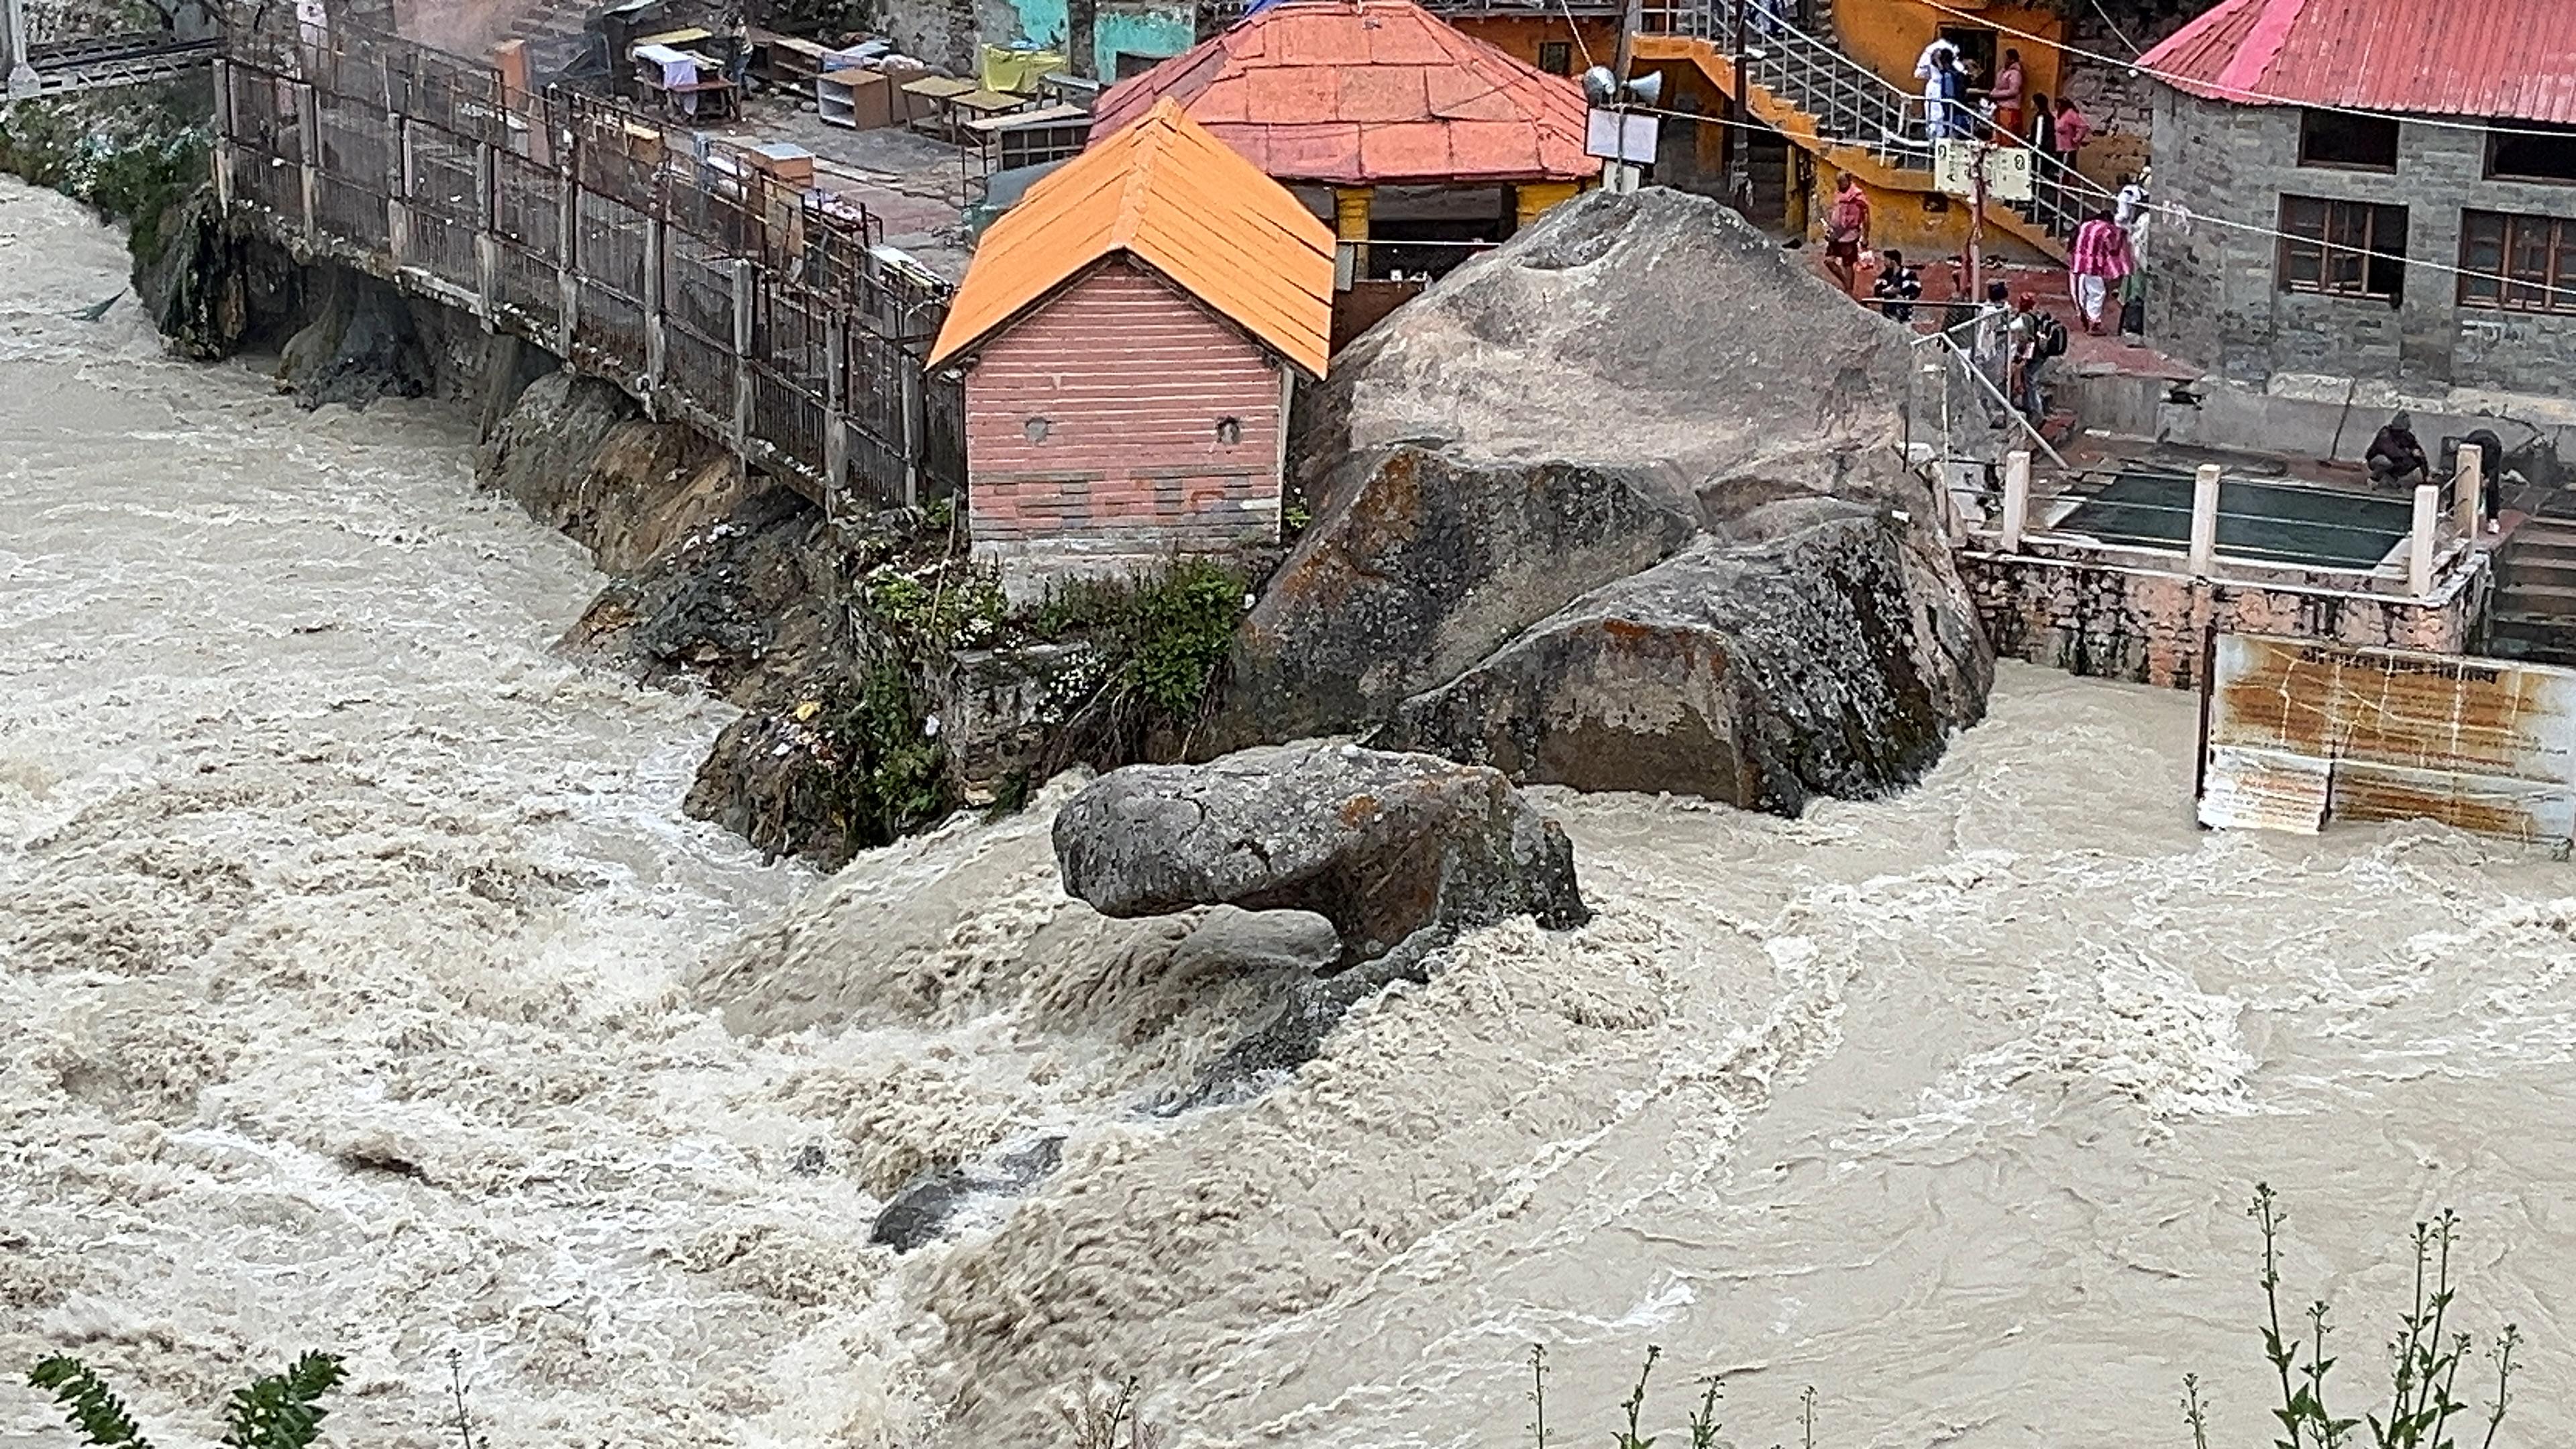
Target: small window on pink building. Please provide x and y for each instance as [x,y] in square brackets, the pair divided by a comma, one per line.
[1229,431]
[1036,428]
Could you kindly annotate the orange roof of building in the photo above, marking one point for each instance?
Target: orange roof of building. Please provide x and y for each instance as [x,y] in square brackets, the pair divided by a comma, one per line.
[1169,195]
[1359,92]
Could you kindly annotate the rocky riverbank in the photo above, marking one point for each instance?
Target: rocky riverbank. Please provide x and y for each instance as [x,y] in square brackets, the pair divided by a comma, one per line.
[1616,506]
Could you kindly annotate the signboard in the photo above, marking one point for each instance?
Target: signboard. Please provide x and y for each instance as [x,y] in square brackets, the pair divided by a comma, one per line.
[2008,169]
[1622,136]
[2300,733]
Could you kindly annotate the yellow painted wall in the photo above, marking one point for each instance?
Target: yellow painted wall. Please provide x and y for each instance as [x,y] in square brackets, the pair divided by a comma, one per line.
[1903,220]
[1887,36]
[1688,92]
[1520,35]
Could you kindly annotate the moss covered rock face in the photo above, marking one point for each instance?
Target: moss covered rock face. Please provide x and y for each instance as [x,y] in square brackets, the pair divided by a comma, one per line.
[136,154]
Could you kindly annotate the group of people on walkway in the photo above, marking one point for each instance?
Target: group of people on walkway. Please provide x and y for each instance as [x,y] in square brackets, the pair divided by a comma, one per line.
[2014,340]
[2007,110]
[2105,264]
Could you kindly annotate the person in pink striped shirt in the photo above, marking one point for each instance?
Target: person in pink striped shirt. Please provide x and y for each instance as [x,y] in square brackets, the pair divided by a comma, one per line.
[2100,258]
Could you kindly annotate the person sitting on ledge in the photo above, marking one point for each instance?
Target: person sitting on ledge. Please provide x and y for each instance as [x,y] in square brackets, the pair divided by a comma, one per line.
[2395,457]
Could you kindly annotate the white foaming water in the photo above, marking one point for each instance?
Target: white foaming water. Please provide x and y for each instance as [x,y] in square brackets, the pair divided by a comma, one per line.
[365,989]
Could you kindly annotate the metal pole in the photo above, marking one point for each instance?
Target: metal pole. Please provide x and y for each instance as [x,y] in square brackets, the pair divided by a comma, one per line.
[1738,170]
[23,81]
[1977,222]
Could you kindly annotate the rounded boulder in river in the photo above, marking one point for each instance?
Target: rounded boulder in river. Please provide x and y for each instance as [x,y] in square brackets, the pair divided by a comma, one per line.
[366,990]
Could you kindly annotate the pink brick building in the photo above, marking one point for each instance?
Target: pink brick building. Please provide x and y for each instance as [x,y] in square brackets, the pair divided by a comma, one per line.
[1132,333]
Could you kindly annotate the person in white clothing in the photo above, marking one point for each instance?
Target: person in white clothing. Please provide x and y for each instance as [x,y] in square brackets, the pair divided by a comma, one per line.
[1937,67]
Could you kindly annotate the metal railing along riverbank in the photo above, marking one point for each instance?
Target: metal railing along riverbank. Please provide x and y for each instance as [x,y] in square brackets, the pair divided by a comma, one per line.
[762,313]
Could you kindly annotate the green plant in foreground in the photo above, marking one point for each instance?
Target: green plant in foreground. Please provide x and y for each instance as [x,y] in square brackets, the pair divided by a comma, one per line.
[1635,1403]
[283,1411]
[1702,1423]
[1703,1420]
[1538,1392]
[279,1411]
[2425,1355]
[93,1409]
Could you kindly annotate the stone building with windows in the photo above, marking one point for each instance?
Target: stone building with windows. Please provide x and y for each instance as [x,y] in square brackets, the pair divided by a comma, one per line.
[2378,190]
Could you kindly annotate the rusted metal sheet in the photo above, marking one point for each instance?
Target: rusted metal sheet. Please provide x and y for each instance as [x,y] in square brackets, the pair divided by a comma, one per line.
[2265,790]
[2301,733]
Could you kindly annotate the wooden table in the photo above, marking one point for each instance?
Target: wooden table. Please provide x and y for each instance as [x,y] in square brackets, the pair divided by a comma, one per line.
[937,91]
[699,100]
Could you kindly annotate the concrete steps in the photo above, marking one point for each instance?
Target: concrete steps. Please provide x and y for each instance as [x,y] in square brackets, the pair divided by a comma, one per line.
[2533,614]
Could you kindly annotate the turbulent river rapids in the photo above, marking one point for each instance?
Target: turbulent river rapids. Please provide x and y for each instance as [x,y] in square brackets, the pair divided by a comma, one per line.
[362,987]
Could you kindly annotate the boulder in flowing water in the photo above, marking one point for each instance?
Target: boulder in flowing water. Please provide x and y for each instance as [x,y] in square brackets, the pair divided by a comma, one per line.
[1380,844]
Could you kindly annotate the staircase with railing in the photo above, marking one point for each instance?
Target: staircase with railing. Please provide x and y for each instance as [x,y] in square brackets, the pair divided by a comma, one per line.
[1834,102]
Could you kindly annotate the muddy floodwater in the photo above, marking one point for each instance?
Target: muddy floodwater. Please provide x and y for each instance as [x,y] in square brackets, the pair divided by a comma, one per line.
[363,988]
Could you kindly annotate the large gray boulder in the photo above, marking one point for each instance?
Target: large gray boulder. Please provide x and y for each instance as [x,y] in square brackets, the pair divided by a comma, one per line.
[1638,390]
[1763,673]
[1381,845]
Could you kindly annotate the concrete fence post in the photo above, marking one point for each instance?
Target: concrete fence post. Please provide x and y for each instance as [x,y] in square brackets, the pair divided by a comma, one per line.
[2204,519]
[746,295]
[915,423]
[568,245]
[2419,554]
[23,81]
[836,404]
[398,205]
[224,129]
[2016,497]
[653,246]
[308,134]
[2470,480]
[487,242]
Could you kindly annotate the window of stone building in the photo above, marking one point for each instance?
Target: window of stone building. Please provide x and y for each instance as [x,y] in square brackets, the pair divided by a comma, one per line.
[2342,139]
[2342,248]
[2531,151]
[1556,57]
[2517,263]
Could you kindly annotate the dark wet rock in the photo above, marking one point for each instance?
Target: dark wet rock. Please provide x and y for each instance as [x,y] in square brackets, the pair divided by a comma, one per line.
[1294,1030]
[926,1206]
[1379,844]
[1821,662]
[1636,397]
[918,1213]
[578,455]
[360,345]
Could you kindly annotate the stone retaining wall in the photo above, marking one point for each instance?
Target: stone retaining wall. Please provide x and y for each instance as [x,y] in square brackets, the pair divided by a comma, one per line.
[2149,627]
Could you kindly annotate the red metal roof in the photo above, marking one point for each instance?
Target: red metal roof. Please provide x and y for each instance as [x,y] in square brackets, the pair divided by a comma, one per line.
[1359,92]
[2514,59]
